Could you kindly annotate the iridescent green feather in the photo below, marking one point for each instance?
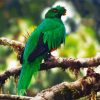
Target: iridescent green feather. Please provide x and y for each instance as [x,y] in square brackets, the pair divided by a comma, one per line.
[53,34]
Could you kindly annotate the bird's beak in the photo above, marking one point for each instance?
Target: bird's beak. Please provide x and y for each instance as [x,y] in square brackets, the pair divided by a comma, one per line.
[64,14]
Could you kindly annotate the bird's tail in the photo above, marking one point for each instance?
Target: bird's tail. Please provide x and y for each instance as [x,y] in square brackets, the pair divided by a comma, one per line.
[28,70]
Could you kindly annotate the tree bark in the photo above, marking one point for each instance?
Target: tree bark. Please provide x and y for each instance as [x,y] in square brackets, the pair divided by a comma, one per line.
[65,90]
[63,63]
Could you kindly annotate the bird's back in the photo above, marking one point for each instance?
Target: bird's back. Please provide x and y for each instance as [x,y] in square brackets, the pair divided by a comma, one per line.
[54,33]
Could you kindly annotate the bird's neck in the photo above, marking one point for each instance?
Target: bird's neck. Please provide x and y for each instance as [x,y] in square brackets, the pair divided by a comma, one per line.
[55,19]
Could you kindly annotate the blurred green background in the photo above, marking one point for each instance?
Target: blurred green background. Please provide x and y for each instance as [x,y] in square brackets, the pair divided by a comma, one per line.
[20,17]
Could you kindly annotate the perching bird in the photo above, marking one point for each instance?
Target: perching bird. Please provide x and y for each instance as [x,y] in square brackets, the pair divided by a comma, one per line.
[47,36]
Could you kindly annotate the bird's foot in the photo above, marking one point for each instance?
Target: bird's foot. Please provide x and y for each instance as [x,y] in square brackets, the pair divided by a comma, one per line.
[48,57]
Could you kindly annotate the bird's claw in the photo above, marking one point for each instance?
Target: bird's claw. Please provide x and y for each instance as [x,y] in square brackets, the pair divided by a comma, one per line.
[48,56]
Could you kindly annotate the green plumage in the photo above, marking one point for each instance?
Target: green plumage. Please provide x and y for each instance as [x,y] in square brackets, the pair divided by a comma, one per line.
[53,34]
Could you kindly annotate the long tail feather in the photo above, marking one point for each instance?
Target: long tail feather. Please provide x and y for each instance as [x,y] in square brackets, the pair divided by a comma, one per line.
[28,70]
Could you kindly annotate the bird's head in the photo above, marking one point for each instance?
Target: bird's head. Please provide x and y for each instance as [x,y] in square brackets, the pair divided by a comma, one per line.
[56,12]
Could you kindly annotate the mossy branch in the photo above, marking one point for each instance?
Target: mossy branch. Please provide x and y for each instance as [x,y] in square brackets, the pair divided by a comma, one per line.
[65,90]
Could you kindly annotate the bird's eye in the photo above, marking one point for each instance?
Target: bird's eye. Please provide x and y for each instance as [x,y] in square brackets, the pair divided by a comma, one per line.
[55,10]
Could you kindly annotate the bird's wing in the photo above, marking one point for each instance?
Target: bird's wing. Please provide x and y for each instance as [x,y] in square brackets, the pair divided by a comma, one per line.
[40,49]
[35,45]
[47,34]
[55,37]
[47,41]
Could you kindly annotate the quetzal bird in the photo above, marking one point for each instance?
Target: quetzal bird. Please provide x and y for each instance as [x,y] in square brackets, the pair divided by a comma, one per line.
[47,36]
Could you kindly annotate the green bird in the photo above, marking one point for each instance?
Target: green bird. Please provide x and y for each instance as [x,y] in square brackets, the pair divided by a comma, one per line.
[47,36]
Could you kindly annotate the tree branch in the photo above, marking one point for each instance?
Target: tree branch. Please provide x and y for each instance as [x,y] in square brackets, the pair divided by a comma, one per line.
[17,46]
[63,63]
[7,74]
[56,63]
[13,97]
[70,91]
[12,43]
[65,90]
